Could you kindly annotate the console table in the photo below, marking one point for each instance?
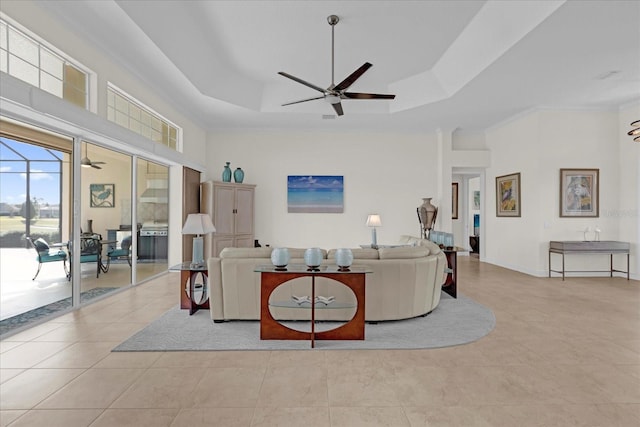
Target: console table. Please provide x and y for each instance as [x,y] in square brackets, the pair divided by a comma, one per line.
[582,247]
[272,277]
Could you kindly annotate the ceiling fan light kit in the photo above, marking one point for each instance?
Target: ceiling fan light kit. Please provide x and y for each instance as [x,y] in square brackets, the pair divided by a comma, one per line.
[335,93]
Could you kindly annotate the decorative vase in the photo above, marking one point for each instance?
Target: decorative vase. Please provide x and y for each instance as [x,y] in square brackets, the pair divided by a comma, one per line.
[344,258]
[226,173]
[427,214]
[313,258]
[238,175]
[280,258]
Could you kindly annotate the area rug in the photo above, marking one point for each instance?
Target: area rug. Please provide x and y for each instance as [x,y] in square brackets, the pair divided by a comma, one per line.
[453,322]
[37,314]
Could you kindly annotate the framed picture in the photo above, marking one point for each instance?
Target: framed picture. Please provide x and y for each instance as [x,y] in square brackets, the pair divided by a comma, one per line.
[454,200]
[476,200]
[508,195]
[579,192]
[315,194]
[102,195]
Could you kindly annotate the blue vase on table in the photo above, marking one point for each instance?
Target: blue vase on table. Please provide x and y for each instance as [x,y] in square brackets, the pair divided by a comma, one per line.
[226,173]
[238,175]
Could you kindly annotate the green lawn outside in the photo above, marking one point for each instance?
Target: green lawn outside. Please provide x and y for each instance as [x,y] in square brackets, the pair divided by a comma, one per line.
[12,230]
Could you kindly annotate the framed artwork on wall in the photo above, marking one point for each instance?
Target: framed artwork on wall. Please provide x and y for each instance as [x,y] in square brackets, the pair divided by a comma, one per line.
[508,195]
[579,192]
[476,200]
[315,194]
[454,200]
[102,195]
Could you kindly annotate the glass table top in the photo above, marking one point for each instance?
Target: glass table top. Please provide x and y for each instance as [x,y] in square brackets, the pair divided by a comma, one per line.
[301,268]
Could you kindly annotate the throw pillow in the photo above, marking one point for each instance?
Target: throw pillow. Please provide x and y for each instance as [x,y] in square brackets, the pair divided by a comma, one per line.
[41,245]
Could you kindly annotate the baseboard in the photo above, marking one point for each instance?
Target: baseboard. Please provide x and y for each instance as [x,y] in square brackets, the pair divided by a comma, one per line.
[545,273]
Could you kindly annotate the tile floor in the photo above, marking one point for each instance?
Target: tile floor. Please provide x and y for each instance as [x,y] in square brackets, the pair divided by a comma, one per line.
[562,354]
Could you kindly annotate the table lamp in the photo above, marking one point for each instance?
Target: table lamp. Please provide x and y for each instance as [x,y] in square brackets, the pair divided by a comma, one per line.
[198,224]
[374,221]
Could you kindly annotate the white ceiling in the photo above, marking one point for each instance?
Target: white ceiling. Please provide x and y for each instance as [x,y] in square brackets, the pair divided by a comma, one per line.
[452,64]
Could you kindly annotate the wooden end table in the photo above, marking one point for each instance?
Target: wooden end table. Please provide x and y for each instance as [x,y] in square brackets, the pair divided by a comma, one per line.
[189,275]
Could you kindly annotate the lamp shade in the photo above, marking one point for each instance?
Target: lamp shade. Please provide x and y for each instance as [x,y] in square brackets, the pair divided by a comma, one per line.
[373,220]
[198,224]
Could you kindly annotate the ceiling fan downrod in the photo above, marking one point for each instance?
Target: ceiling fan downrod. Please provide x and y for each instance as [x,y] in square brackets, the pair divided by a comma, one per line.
[332,20]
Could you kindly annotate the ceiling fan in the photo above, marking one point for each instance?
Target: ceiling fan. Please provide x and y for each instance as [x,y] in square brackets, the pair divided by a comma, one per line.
[85,162]
[334,93]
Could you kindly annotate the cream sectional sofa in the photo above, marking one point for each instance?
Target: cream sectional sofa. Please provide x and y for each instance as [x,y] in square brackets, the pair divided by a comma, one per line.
[405,282]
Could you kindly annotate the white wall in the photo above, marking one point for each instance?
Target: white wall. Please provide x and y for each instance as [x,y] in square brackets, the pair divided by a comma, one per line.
[384,174]
[538,145]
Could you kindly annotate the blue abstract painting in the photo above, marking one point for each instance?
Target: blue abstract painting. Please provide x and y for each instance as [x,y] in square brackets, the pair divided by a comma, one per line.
[315,194]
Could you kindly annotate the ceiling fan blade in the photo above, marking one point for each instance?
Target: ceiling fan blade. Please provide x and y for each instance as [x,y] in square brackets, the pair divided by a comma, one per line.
[93,165]
[296,79]
[352,77]
[98,163]
[356,95]
[303,100]
[338,107]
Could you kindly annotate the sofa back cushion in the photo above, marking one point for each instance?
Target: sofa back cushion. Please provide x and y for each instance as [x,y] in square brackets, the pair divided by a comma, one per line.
[358,253]
[425,243]
[403,252]
[246,253]
[299,252]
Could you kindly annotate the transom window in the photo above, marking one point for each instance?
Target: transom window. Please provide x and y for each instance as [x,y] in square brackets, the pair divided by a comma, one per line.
[28,59]
[133,115]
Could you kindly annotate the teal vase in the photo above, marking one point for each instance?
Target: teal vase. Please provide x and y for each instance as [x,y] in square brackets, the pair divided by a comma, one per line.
[226,173]
[238,175]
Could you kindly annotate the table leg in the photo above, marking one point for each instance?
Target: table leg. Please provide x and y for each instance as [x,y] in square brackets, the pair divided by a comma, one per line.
[563,266]
[313,311]
[610,265]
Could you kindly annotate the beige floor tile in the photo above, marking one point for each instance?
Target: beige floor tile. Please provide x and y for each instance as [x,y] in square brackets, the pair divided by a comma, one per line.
[8,345]
[7,374]
[129,359]
[285,417]
[368,417]
[301,359]
[35,332]
[58,418]
[68,332]
[30,354]
[136,418]
[227,388]
[554,415]
[161,388]
[29,388]
[294,386]
[95,388]
[445,416]
[7,417]
[207,417]
[416,386]
[117,332]
[362,386]
[78,355]
[212,359]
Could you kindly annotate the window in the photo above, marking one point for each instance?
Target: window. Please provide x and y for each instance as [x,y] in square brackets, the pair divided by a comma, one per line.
[28,59]
[133,115]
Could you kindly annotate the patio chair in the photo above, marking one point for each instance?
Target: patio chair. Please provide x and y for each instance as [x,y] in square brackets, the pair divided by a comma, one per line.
[119,253]
[90,250]
[46,254]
